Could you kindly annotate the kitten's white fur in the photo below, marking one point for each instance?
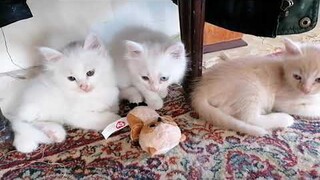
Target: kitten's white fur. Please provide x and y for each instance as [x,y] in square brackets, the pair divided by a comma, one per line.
[51,99]
[255,94]
[137,51]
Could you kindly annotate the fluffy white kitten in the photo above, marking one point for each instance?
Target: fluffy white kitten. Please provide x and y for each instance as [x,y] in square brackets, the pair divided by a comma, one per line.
[146,60]
[146,63]
[77,88]
[255,94]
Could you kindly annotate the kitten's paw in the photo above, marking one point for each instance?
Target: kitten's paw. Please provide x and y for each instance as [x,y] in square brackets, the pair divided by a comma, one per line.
[274,121]
[155,103]
[54,131]
[131,94]
[307,112]
[286,121]
[258,132]
[136,99]
[27,137]
[163,93]
[24,145]
[56,135]
[283,121]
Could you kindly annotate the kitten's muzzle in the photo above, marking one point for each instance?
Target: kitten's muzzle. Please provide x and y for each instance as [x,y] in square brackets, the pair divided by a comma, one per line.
[155,88]
[305,89]
[85,87]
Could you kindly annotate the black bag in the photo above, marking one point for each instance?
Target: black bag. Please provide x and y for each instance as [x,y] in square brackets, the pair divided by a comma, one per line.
[12,11]
[263,17]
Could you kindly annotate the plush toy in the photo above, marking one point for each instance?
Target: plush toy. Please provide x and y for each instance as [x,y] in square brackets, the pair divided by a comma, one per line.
[155,134]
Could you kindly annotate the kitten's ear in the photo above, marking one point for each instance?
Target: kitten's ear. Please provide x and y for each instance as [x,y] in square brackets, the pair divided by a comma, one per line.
[50,54]
[176,50]
[93,42]
[292,47]
[134,49]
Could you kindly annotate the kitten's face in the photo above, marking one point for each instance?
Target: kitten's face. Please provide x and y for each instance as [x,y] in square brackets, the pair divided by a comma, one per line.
[82,69]
[305,81]
[155,77]
[303,71]
[80,72]
[156,68]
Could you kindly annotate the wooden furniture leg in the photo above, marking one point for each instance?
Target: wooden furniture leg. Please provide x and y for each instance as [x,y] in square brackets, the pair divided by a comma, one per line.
[192,18]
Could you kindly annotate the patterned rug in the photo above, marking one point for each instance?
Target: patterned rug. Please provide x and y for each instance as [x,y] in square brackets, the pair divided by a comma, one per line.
[207,153]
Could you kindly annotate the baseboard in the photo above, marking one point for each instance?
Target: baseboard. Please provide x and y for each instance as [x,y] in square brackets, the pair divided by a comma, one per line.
[224,45]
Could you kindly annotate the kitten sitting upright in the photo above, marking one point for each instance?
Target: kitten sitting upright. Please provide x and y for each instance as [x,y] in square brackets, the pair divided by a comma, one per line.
[146,60]
[146,63]
[255,94]
[77,88]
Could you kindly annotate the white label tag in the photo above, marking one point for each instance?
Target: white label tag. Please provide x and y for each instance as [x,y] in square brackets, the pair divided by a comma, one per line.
[115,126]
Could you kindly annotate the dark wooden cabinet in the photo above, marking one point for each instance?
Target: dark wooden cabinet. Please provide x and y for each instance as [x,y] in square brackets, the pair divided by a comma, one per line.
[191,16]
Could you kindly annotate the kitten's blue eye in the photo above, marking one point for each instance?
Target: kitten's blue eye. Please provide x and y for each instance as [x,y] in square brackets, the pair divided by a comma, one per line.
[71,78]
[90,73]
[318,80]
[146,78]
[297,77]
[163,78]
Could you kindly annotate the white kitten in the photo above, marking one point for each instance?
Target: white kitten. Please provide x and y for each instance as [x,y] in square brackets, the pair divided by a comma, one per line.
[146,63]
[77,88]
[243,94]
[146,60]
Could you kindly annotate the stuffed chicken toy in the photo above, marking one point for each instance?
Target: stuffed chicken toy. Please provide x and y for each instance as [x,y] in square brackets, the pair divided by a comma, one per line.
[155,134]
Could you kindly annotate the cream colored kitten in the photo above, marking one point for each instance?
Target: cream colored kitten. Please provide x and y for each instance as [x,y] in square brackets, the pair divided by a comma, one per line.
[256,94]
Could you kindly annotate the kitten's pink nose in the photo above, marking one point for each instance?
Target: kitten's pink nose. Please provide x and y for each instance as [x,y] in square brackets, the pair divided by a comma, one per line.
[85,87]
[155,88]
[306,89]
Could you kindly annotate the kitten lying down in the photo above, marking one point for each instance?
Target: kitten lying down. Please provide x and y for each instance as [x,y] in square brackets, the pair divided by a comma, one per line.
[77,88]
[256,94]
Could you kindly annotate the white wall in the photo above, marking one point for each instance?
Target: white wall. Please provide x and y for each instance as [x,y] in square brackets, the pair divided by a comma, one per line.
[56,22]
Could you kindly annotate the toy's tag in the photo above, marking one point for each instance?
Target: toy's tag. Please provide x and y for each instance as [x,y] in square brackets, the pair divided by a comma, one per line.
[115,126]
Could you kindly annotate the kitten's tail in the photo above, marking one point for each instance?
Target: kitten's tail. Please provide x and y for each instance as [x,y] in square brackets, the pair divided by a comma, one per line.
[221,119]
